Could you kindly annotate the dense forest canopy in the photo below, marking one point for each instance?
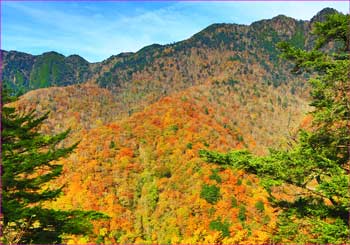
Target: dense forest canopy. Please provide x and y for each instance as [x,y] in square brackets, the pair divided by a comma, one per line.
[317,165]
[171,144]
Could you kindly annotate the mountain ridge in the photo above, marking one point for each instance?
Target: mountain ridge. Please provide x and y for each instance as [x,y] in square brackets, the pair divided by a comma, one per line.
[27,75]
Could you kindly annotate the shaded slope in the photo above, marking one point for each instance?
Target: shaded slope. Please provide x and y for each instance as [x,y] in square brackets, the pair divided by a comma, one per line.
[23,72]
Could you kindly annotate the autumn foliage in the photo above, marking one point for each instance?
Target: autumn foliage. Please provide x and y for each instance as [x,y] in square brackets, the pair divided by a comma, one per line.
[142,119]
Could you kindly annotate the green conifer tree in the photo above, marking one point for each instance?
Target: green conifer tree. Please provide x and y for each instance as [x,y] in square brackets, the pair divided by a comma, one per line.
[317,166]
[27,166]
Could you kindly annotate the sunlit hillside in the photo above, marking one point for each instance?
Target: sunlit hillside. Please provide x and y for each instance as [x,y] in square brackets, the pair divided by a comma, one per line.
[140,120]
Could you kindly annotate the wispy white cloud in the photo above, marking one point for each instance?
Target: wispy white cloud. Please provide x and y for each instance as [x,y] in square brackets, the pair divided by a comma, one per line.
[98,30]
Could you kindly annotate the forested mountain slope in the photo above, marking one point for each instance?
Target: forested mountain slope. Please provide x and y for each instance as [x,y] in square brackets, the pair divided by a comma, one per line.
[142,117]
[179,65]
[23,72]
[222,54]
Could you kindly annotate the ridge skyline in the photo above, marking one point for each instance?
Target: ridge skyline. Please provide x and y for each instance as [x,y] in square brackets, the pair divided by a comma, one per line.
[98,38]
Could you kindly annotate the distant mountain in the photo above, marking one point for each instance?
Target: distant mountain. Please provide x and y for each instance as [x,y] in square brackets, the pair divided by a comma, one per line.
[23,72]
[181,64]
[321,16]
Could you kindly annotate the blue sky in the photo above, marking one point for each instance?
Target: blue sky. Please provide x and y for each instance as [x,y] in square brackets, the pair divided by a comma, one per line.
[97,30]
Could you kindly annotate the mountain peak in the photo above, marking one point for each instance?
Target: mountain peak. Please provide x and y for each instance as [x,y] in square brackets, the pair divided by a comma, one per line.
[281,17]
[76,59]
[321,16]
[51,54]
